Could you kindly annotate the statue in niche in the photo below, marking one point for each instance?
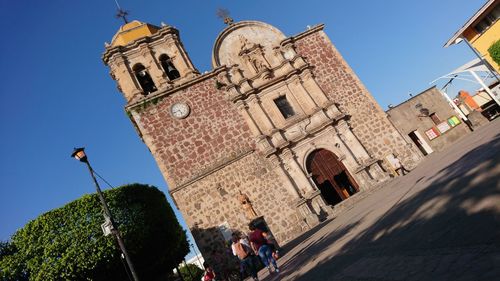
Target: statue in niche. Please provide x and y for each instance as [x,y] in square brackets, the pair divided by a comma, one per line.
[247,206]
[259,65]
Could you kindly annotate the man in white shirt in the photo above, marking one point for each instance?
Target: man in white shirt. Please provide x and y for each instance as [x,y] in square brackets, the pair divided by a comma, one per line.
[398,166]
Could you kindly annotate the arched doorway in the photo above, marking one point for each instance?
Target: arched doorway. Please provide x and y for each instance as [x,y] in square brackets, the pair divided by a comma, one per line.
[331,176]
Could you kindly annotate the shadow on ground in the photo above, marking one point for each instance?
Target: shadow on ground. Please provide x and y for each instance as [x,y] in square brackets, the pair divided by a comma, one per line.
[447,231]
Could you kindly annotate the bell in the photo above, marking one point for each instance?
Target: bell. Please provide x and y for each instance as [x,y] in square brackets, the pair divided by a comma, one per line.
[170,68]
[172,72]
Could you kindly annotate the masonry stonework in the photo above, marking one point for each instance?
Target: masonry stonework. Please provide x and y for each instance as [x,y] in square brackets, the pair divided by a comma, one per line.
[283,122]
[213,134]
[337,79]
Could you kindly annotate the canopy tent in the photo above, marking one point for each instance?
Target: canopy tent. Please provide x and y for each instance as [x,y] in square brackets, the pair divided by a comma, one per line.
[472,67]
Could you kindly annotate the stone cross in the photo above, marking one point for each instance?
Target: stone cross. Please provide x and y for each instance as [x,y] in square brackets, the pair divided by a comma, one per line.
[224,14]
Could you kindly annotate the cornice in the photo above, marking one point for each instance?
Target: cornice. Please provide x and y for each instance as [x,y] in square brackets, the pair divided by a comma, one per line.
[110,51]
[209,172]
[301,35]
[244,95]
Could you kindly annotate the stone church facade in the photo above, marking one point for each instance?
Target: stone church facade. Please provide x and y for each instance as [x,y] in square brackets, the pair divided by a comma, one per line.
[281,131]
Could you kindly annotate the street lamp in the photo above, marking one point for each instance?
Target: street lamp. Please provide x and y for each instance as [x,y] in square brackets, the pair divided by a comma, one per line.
[109,225]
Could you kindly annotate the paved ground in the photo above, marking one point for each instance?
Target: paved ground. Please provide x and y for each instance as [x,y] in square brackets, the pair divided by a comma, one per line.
[440,222]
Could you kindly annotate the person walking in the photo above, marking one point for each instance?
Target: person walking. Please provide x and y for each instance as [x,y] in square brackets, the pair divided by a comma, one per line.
[260,247]
[271,242]
[398,166]
[209,274]
[244,253]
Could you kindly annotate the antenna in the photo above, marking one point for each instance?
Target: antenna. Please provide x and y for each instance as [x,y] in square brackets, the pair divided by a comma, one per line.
[121,13]
[224,14]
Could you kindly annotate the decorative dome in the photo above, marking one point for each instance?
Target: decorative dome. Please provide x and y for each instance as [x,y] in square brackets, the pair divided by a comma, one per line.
[132,31]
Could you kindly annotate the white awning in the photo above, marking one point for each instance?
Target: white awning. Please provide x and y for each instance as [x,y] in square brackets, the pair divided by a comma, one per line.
[475,65]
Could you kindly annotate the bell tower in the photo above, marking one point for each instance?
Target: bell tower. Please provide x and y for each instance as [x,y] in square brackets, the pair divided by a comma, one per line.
[145,59]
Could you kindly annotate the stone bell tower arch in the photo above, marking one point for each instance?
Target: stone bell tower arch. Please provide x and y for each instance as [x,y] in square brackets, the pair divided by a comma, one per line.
[145,59]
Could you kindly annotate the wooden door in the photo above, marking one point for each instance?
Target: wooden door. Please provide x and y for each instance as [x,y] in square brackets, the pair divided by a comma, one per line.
[327,170]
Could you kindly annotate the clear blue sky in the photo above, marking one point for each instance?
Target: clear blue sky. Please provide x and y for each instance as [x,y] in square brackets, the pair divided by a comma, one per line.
[56,93]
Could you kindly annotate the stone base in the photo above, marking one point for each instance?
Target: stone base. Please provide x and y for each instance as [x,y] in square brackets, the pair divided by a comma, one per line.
[312,220]
[307,212]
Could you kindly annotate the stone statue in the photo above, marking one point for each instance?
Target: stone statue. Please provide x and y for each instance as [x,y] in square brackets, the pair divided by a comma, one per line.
[247,206]
[244,43]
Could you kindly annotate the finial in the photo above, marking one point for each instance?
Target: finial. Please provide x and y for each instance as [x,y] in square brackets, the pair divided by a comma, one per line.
[121,13]
[224,14]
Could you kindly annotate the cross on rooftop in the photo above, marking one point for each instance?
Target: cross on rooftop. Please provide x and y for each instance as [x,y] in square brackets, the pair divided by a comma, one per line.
[224,14]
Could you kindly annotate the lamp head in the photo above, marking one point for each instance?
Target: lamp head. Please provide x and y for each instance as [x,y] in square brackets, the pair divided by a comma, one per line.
[458,40]
[79,154]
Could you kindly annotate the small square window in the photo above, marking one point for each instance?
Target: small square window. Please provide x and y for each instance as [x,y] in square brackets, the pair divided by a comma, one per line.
[435,118]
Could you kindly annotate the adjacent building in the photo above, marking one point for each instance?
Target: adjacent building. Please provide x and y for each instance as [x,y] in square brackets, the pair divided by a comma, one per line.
[428,120]
[481,30]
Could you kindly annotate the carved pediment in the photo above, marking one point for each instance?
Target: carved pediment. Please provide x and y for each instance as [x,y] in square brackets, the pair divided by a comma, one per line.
[250,44]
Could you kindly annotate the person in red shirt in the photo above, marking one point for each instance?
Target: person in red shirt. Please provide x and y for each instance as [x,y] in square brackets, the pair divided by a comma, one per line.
[260,247]
[209,273]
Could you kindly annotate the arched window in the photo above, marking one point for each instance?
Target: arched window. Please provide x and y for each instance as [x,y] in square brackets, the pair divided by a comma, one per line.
[144,79]
[169,68]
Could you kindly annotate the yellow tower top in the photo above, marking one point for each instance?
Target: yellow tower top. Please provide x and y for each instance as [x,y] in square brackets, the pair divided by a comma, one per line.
[132,31]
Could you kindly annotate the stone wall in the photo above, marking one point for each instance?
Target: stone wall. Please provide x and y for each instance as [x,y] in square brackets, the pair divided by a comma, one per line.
[340,83]
[213,200]
[212,134]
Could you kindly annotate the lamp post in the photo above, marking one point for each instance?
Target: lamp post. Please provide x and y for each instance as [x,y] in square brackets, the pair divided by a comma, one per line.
[79,154]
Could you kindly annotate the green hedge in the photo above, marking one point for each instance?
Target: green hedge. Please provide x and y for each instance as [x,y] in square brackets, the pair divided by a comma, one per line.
[494,51]
[68,244]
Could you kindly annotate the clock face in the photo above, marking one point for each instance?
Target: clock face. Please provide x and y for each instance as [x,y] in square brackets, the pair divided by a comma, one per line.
[180,110]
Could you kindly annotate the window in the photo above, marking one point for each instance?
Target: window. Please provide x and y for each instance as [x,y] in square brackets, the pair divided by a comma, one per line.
[144,79]
[284,106]
[435,118]
[488,20]
[169,68]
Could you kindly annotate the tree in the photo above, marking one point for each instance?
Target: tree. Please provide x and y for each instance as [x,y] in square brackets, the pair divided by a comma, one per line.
[191,272]
[494,51]
[68,244]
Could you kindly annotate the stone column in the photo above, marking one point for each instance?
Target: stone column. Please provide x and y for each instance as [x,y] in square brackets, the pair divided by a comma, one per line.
[359,152]
[255,109]
[153,66]
[313,88]
[125,77]
[283,173]
[181,60]
[296,172]
[351,141]
[303,96]
[243,108]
